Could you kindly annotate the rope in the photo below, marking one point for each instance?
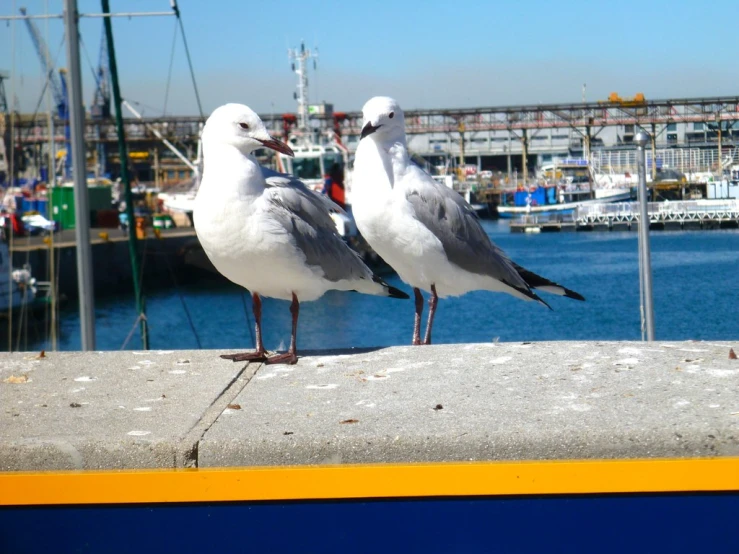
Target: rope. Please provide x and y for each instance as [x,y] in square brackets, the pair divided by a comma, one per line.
[133,330]
[184,304]
[21,317]
[169,73]
[189,60]
[43,92]
[89,61]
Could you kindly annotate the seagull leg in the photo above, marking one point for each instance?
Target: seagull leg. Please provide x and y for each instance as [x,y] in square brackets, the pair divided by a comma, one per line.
[259,353]
[291,356]
[417,319]
[432,311]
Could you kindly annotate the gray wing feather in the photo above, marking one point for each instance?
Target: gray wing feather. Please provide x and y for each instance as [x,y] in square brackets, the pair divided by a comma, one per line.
[453,221]
[305,215]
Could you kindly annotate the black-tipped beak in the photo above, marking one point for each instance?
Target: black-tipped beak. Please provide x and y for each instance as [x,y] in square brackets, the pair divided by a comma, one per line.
[368,130]
[277,145]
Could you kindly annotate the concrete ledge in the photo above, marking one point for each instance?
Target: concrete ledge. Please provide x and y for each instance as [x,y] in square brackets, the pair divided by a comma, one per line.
[110,410]
[554,400]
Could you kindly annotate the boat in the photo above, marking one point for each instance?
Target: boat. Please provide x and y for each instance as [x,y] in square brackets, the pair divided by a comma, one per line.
[564,186]
[548,200]
[317,156]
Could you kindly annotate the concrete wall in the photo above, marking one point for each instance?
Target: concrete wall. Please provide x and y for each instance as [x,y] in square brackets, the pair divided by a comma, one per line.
[551,400]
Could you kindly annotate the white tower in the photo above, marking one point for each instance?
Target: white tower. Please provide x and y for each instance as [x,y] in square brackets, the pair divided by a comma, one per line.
[299,57]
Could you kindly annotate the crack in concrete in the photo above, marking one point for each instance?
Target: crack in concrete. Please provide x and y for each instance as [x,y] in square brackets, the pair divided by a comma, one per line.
[195,434]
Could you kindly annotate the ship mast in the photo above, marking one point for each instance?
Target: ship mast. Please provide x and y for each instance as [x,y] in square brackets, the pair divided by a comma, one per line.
[299,59]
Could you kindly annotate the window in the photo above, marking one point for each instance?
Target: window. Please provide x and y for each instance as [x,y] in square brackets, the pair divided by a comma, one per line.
[307,168]
[698,126]
[628,129]
[672,126]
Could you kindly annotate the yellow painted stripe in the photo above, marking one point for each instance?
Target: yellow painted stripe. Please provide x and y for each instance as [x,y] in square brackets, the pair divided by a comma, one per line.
[370,481]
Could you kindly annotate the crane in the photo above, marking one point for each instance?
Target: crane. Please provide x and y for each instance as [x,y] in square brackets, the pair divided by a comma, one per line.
[100,107]
[57,83]
[5,145]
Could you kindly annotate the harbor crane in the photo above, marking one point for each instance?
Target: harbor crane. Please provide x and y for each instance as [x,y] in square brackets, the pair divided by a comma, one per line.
[100,107]
[58,84]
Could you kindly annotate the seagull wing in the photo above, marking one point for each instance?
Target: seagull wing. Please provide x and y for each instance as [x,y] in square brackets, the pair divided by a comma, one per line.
[276,179]
[453,221]
[305,215]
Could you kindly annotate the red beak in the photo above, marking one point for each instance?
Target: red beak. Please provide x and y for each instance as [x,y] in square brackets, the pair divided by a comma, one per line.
[278,146]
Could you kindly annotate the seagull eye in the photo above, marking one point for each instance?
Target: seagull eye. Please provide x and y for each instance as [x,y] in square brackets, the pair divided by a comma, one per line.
[244,125]
[392,114]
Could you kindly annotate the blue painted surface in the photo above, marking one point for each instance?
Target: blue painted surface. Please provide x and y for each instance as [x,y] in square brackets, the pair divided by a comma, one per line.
[604,524]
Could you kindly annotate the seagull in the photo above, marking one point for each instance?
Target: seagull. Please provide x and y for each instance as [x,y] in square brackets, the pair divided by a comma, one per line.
[423,229]
[273,236]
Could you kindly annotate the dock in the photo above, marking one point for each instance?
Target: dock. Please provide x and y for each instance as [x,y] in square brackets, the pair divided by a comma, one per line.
[349,444]
[624,216]
[165,257]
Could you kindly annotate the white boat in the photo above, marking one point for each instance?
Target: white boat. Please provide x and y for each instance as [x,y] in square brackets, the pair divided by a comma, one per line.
[566,207]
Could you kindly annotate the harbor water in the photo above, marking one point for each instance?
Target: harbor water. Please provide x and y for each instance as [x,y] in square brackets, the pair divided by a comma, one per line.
[695,297]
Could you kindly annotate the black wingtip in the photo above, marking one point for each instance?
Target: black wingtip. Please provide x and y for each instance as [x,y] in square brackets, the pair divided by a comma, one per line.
[537,281]
[574,295]
[392,292]
[539,299]
[528,293]
[396,293]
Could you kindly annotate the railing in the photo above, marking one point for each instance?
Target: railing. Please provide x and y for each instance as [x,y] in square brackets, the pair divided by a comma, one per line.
[542,219]
[659,211]
[685,160]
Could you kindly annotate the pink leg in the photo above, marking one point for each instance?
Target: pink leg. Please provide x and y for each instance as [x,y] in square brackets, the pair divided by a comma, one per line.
[432,311]
[417,319]
[291,356]
[259,353]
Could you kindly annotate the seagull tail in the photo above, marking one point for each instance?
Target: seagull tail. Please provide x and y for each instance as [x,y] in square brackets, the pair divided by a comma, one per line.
[390,291]
[541,283]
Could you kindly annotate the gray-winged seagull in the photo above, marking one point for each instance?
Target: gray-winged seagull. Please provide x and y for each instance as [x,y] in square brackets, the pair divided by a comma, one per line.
[423,229]
[273,236]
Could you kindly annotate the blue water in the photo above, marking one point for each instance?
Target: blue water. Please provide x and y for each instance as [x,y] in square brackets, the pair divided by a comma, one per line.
[696,296]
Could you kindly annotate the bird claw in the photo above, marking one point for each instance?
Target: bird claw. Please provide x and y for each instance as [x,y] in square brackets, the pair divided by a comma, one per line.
[286,358]
[246,357]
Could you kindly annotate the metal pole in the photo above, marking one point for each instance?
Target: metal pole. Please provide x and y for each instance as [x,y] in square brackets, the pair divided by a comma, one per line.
[123,154]
[525,156]
[645,256]
[81,203]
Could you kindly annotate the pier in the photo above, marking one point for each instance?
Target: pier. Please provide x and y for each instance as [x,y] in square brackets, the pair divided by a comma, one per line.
[445,403]
[573,431]
[624,216]
[166,254]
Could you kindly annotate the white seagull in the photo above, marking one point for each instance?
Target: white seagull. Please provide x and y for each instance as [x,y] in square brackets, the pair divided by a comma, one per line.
[423,229]
[274,236]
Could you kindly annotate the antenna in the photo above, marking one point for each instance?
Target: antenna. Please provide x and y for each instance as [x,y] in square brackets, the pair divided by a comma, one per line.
[299,57]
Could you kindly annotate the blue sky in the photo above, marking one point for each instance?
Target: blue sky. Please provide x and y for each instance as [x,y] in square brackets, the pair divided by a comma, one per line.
[426,54]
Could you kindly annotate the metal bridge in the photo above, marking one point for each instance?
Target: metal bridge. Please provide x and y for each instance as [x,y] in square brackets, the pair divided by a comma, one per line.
[522,124]
[580,116]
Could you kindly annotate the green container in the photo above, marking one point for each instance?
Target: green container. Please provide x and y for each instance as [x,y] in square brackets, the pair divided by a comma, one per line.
[62,203]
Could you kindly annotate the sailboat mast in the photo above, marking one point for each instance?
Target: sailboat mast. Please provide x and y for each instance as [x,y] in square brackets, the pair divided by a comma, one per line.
[81,200]
[123,154]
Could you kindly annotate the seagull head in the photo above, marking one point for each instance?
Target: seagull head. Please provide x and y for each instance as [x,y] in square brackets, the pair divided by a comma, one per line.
[239,126]
[383,120]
